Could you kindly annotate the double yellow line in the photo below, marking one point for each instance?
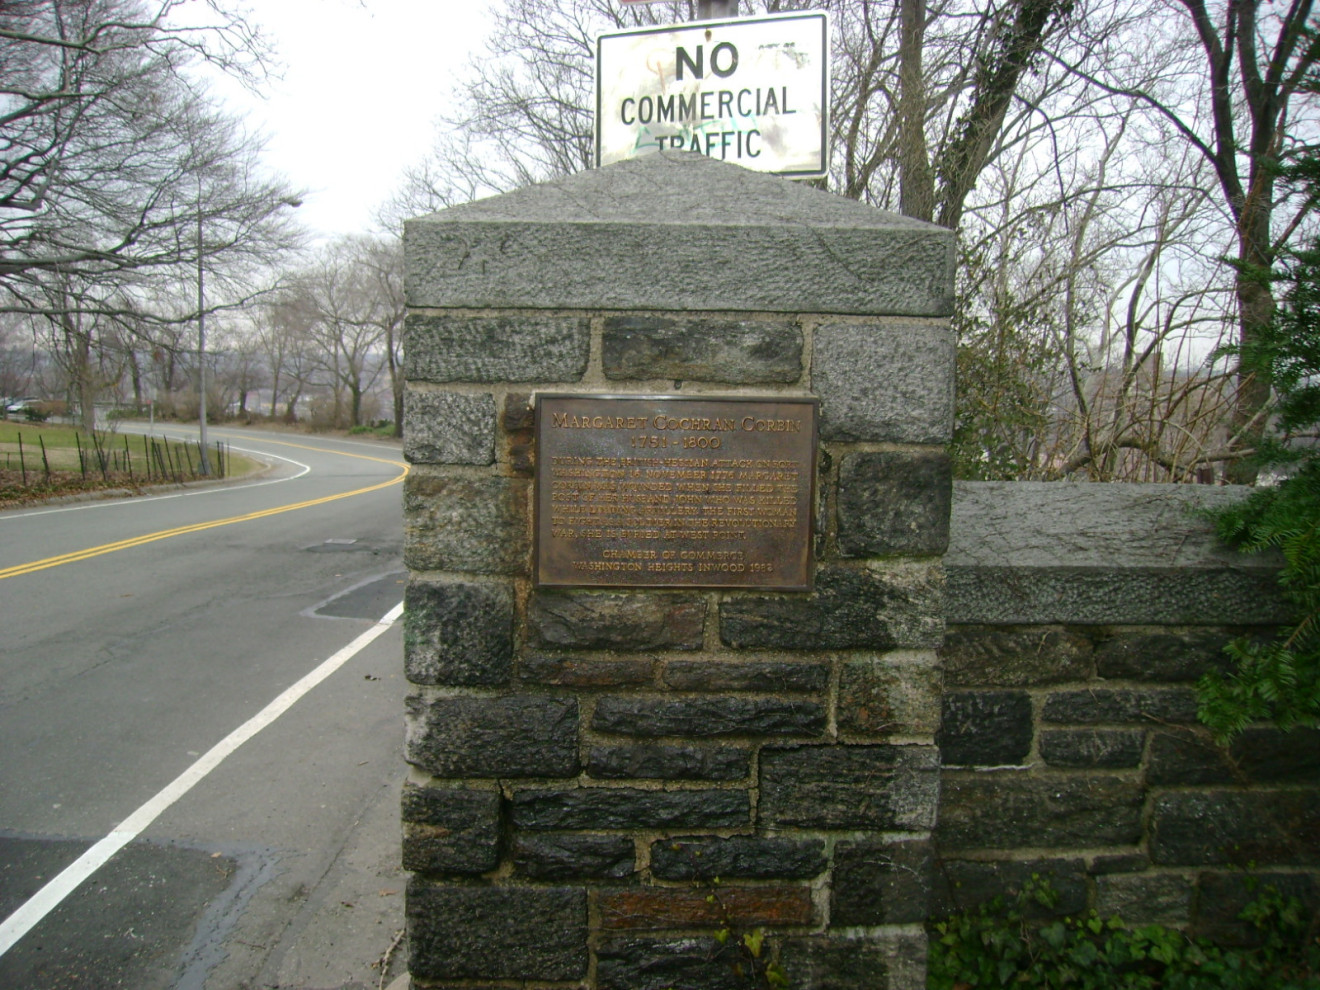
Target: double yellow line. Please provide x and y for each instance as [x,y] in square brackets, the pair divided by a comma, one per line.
[69,558]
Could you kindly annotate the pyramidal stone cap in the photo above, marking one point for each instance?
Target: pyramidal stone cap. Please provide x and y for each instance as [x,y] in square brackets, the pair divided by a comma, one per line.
[678,231]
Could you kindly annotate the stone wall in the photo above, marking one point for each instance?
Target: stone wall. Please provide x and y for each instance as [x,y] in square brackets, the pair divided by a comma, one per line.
[1080,617]
[586,763]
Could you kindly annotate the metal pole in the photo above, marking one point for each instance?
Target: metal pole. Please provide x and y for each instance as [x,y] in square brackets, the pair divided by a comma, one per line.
[709,10]
[204,465]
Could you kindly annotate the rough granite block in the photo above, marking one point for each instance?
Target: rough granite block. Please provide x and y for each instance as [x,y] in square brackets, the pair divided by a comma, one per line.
[542,932]
[891,962]
[465,524]
[733,352]
[616,620]
[496,349]
[985,728]
[666,964]
[889,695]
[573,857]
[657,761]
[450,830]
[963,885]
[629,808]
[883,788]
[510,736]
[448,428]
[894,503]
[877,882]
[458,634]
[884,382]
[711,717]
[1025,656]
[1236,828]
[1154,899]
[1092,749]
[747,857]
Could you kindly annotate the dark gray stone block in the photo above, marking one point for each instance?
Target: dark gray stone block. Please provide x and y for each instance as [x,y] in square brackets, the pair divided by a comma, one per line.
[770,676]
[1145,899]
[458,634]
[1267,755]
[477,525]
[664,964]
[512,736]
[1094,749]
[614,620]
[1003,809]
[450,830]
[448,428]
[1236,828]
[963,885]
[746,857]
[851,608]
[629,808]
[1024,553]
[1096,705]
[1188,758]
[734,352]
[1026,656]
[884,788]
[894,503]
[985,728]
[660,762]
[574,857]
[884,382]
[529,348]
[708,717]
[888,696]
[894,962]
[881,883]
[678,231]
[1163,657]
[496,933]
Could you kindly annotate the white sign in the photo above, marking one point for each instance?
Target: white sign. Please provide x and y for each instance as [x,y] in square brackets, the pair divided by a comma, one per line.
[753,91]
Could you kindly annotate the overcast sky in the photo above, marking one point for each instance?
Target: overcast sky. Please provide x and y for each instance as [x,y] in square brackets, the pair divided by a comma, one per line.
[363,83]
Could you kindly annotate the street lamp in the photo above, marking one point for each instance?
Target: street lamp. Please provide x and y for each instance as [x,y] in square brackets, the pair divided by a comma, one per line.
[204,460]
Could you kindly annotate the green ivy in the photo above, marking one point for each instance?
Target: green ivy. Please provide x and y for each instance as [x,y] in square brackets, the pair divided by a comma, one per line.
[1000,946]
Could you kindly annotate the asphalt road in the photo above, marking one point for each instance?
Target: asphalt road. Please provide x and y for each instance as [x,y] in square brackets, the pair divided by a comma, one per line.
[136,636]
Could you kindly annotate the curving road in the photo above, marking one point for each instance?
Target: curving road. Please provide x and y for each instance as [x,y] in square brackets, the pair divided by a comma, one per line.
[136,636]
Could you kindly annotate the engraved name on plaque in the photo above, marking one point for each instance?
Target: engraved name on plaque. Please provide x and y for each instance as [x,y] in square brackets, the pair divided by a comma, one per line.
[675,491]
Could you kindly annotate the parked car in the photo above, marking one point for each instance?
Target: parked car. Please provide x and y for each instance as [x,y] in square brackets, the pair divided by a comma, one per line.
[27,408]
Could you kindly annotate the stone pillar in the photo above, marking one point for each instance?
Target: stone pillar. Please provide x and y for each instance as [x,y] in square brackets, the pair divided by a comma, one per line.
[585,763]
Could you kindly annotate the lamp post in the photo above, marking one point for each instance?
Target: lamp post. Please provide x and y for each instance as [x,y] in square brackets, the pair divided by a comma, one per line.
[204,458]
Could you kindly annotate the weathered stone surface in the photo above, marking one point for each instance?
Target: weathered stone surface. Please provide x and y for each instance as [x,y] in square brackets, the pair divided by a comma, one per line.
[616,620]
[1024,553]
[513,736]
[894,503]
[620,808]
[663,964]
[1096,705]
[734,352]
[895,962]
[448,428]
[525,348]
[914,361]
[770,676]
[1145,899]
[1162,657]
[1268,755]
[1236,828]
[881,883]
[465,524]
[1132,862]
[1187,758]
[458,633]
[517,419]
[659,908]
[851,608]
[964,885]
[661,762]
[1093,749]
[1001,809]
[891,695]
[746,857]
[542,932]
[573,857]
[450,830]
[1222,897]
[708,717]
[1025,656]
[590,673]
[678,231]
[891,788]
[985,728]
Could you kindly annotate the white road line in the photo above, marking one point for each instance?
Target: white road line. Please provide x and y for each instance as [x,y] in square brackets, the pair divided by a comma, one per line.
[138,500]
[49,897]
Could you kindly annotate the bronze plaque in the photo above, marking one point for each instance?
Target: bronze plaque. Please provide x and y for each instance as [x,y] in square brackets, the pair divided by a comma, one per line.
[675,491]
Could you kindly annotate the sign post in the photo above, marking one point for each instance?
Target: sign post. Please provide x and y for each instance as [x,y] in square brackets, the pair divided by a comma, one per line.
[753,91]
